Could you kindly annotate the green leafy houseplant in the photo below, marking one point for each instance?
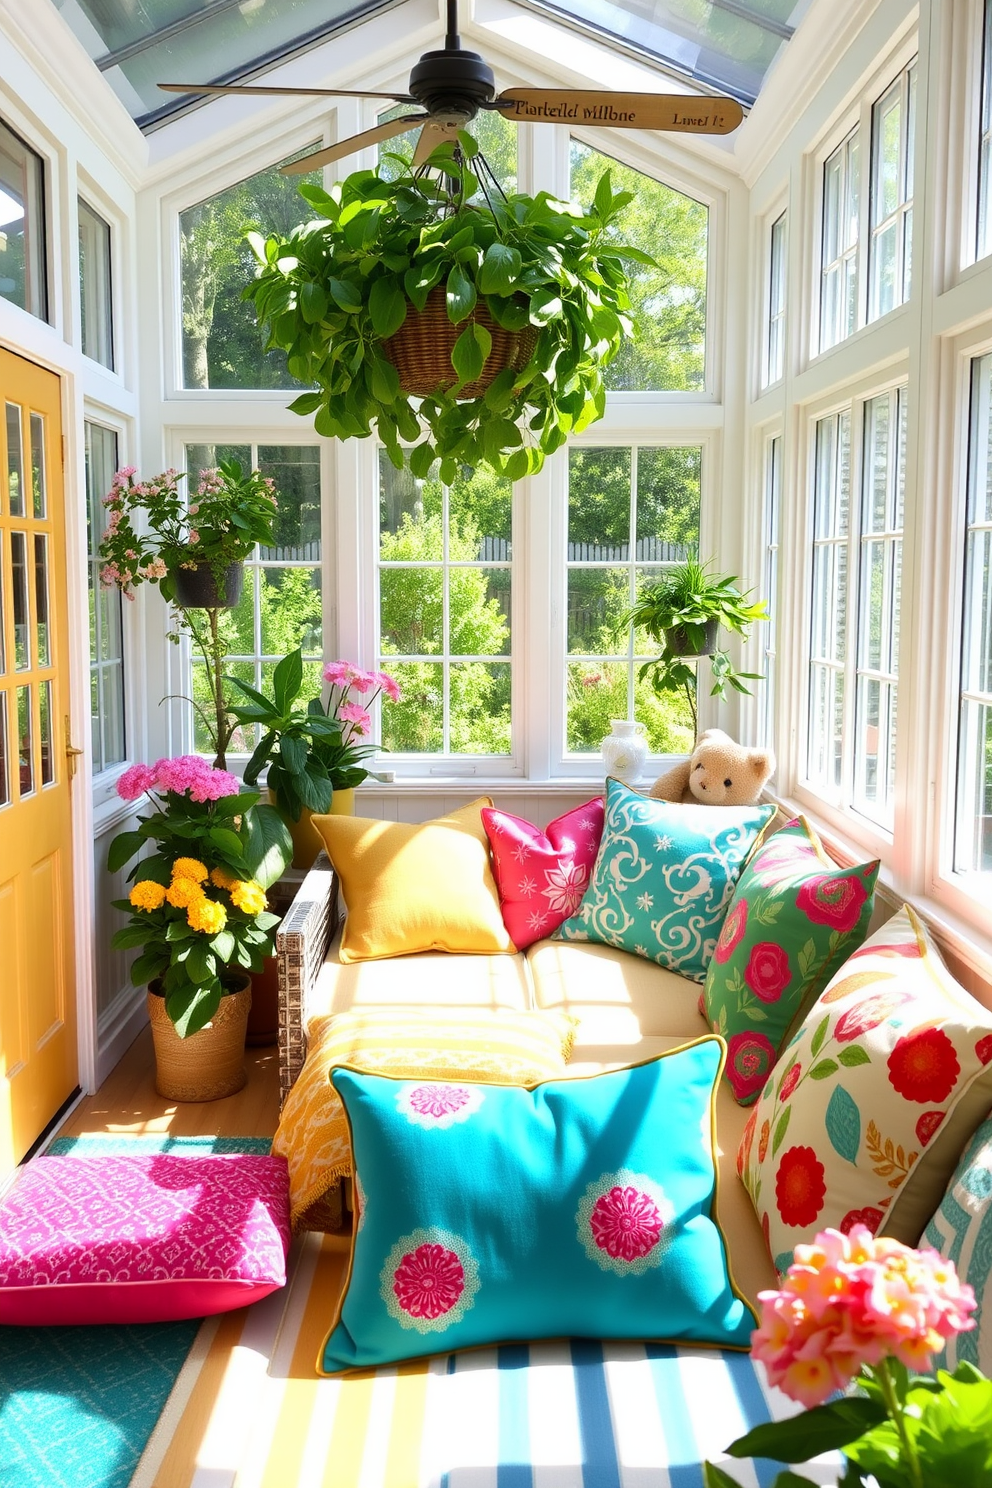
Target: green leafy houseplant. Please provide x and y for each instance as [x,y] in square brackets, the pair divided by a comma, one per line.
[153,532]
[869,1310]
[333,292]
[677,613]
[311,750]
[198,908]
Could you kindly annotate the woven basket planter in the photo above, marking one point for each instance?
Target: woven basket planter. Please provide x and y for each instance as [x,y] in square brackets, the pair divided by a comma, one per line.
[421,349]
[211,1062]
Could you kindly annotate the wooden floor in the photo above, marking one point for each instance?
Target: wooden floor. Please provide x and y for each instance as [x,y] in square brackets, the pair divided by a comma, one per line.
[127,1101]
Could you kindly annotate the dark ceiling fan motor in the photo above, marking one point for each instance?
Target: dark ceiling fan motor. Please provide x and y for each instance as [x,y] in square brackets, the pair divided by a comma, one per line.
[452,81]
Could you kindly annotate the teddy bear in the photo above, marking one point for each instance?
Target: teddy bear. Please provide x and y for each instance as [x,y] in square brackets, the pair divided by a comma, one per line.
[718,772]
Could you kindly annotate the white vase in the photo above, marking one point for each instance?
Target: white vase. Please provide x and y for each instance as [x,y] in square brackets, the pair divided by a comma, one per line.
[625,750]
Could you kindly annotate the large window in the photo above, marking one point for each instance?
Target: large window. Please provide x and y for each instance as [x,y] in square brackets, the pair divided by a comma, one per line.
[22,225]
[775,332]
[444,616]
[858,498]
[106,633]
[669,302]
[95,301]
[280,606]
[222,345]
[973,819]
[632,514]
[891,206]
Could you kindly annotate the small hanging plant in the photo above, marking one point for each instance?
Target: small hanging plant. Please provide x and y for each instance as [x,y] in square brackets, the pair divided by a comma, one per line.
[337,291]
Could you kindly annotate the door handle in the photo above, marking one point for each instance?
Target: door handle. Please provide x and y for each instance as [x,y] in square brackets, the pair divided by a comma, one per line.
[71,753]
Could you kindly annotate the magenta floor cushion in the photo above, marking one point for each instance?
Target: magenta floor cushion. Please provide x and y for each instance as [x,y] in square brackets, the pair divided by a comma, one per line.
[141,1239]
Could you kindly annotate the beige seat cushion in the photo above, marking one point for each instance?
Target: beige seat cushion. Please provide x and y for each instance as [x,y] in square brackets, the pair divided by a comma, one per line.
[431,979]
[750,1262]
[618,998]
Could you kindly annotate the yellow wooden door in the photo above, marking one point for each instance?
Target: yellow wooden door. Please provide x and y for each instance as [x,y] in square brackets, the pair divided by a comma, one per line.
[38,1065]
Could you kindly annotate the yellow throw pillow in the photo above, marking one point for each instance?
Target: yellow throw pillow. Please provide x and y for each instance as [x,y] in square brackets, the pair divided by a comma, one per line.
[479,1044]
[423,887]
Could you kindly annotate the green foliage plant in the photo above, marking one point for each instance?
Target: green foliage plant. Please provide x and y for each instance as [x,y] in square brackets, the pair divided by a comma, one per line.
[331,293]
[676,611]
[311,749]
[197,910]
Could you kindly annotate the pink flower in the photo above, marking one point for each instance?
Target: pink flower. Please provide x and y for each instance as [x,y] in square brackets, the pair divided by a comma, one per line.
[193,535]
[191,772]
[853,1299]
[428,1281]
[438,1100]
[565,886]
[389,685]
[361,682]
[156,569]
[356,715]
[828,900]
[768,972]
[336,672]
[750,1057]
[626,1223]
[732,931]
[135,781]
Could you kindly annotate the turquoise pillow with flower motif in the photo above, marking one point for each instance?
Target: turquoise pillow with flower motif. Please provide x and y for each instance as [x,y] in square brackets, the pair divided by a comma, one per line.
[794,918]
[663,878]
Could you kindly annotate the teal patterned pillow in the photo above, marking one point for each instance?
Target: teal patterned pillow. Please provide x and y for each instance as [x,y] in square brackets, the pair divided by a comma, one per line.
[962,1231]
[664,877]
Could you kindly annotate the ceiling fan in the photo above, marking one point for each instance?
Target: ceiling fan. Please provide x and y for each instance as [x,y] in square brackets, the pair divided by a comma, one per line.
[452,85]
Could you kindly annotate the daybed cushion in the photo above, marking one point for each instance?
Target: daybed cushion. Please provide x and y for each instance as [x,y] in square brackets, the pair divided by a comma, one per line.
[795,916]
[512,1048]
[579,1207]
[429,980]
[141,1239]
[962,1231]
[869,1107]
[663,878]
[408,888]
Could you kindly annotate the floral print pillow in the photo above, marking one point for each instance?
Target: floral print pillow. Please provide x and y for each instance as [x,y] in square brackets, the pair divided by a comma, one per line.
[542,876]
[795,916]
[663,878]
[871,1103]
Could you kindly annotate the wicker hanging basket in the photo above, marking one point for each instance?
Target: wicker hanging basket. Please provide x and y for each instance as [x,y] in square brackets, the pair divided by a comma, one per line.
[421,349]
[210,1063]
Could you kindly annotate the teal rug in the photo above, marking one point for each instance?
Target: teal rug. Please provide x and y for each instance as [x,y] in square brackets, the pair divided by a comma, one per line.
[77,1405]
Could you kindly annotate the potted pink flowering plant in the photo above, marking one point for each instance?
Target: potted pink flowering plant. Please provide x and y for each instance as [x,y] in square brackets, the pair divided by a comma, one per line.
[869,1311]
[197,906]
[315,752]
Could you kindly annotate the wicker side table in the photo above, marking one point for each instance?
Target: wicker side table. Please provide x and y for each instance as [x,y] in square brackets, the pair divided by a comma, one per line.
[301,945]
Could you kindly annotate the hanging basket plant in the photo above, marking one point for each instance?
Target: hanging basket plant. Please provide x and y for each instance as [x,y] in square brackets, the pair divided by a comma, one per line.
[499,316]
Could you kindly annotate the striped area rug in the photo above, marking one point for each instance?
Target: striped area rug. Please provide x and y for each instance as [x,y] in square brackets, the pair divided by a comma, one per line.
[248,1410]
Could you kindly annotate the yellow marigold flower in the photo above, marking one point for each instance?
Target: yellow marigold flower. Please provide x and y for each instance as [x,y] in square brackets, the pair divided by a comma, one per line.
[183,892]
[147,895]
[248,896]
[221,879]
[190,868]
[207,915]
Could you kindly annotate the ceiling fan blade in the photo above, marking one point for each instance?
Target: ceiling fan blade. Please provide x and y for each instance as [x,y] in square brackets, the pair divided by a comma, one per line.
[350,146]
[275,92]
[435,132]
[686,112]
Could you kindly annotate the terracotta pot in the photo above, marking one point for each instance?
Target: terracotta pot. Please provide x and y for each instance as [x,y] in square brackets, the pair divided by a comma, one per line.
[197,588]
[211,1062]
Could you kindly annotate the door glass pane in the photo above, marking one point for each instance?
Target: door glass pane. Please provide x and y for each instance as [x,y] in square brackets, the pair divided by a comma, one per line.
[25,750]
[41,599]
[47,738]
[38,484]
[19,567]
[15,461]
[4,774]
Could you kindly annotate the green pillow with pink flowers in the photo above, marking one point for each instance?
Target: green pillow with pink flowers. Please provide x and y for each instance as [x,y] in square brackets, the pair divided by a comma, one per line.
[794,918]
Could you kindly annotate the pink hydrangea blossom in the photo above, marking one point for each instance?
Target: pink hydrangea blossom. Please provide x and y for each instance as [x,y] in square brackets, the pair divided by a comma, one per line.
[135,781]
[854,1299]
[337,672]
[357,716]
[191,772]
[389,685]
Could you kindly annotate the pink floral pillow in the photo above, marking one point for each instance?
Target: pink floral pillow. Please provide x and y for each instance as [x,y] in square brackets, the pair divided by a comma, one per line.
[542,876]
[867,1110]
[143,1239]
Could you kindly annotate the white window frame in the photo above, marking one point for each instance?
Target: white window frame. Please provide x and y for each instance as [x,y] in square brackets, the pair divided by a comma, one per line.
[772,588]
[981,245]
[901,217]
[775,300]
[103,294]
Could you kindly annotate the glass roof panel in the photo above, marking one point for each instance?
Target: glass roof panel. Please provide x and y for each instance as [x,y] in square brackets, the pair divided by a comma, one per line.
[726,44]
[139,43]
